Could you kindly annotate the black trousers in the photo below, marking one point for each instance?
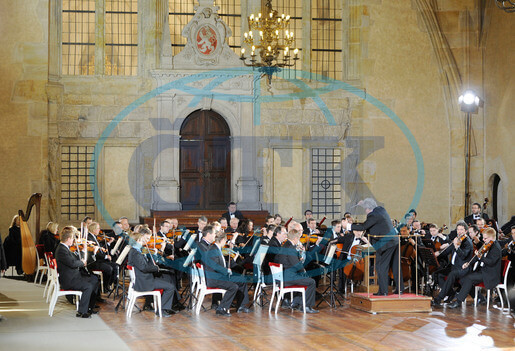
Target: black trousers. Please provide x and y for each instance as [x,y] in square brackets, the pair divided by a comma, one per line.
[235,290]
[310,290]
[384,260]
[467,283]
[89,287]
[455,274]
[166,283]
[109,270]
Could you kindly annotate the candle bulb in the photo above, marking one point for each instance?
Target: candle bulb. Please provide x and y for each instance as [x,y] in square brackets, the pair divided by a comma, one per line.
[242,52]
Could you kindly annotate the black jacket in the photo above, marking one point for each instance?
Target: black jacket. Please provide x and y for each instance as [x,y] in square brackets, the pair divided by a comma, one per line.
[237,214]
[470,218]
[490,264]
[68,265]
[288,256]
[144,269]
[464,252]
[378,222]
[49,241]
[214,265]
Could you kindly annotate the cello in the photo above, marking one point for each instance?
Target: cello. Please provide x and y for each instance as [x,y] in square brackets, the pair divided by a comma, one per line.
[29,254]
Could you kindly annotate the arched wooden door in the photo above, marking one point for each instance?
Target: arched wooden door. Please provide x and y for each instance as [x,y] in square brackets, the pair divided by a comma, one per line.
[205,162]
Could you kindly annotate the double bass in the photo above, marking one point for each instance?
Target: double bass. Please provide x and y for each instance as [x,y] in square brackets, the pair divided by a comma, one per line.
[28,248]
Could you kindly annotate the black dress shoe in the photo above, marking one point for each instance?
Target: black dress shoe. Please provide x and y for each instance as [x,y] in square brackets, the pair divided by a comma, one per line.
[311,310]
[223,312]
[454,304]
[165,313]
[92,311]
[148,307]
[380,294]
[83,315]
[396,292]
[296,307]
[178,307]
[243,309]
[99,299]
[286,303]
[436,303]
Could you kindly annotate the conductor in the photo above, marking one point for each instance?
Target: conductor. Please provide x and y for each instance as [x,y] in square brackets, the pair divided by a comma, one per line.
[386,243]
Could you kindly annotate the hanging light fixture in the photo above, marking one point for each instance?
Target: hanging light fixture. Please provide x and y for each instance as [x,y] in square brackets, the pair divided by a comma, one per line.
[270,42]
[506,5]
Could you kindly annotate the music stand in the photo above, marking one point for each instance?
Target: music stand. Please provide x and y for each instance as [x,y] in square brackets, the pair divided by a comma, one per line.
[116,246]
[122,262]
[188,298]
[260,279]
[330,294]
[428,257]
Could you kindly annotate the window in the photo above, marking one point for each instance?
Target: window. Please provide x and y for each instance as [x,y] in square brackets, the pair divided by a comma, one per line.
[78,37]
[121,42]
[326,175]
[82,26]
[294,9]
[230,13]
[76,190]
[180,13]
[326,38]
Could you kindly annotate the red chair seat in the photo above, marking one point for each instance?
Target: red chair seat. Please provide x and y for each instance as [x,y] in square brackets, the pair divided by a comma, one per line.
[212,288]
[296,287]
[481,285]
[160,291]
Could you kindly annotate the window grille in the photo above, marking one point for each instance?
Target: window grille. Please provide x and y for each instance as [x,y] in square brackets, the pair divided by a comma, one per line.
[179,14]
[76,191]
[326,175]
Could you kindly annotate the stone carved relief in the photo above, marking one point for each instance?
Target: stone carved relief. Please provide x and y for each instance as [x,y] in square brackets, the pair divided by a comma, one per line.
[207,45]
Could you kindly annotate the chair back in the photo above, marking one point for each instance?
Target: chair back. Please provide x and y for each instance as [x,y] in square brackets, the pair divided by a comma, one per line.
[52,266]
[507,265]
[277,274]
[201,275]
[132,275]
[40,251]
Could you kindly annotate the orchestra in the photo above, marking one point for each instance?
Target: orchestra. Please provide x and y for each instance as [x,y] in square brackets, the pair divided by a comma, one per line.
[227,248]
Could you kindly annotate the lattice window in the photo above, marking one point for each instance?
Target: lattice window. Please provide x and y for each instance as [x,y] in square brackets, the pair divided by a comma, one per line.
[121,37]
[179,14]
[326,175]
[76,190]
[294,9]
[78,37]
[326,38]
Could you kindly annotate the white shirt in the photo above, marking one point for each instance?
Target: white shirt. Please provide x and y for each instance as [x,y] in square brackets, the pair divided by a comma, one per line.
[355,242]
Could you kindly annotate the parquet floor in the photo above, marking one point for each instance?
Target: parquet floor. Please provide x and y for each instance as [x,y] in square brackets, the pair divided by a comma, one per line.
[343,328]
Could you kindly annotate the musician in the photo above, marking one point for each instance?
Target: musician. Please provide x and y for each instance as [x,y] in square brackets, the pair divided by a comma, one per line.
[145,270]
[174,223]
[169,249]
[314,251]
[12,245]
[278,220]
[49,237]
[461,250]
[347,218]
[102,261]
[487,270]
[335,231]
[274,245]
[348,241]
[201,223]
[481,224]
[308,214]
[232,212]
[508,250]
[233,225]
[268,234]
[207,239]
[218,275]
[435,238]
[475,215]
[71,278]
[223,223]
[475,236]
[245,229]
[269,220]
[126,227]
[311,227]
[378,222]
[293,271]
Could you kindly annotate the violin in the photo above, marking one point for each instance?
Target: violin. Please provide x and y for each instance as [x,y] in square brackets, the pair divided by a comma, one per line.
[311,238]
[484,249]
[89,245]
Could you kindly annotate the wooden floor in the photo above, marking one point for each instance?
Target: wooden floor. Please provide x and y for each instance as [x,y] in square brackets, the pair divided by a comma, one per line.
[343,328]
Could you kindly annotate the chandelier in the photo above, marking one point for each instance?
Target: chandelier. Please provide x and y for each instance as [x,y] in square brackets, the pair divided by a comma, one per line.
[270,42]
[506,5]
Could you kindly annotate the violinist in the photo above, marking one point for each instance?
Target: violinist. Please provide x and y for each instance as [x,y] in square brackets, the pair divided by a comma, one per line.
[481,224]
[49,237]
[245,231]
[294,272]
[475,236]
[335,231]
[169,249]
[268,233]
[233,225]
[347,219]
[218,275]
[475,215]
[70,275]
[126,227]
[146,271]
[269,220]
[508,250]
[274,246]
[308,214]
[201,223]
[485,268]
[436,240]
[223,223]
[278,220]
[461,250]
[102,261]
[311,227]
[203,247]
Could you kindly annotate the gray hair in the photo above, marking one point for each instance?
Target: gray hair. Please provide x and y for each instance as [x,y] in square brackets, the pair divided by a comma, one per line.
[368,203]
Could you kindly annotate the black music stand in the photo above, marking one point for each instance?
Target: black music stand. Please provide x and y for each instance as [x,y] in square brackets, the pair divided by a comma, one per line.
[189,296]
[428,257]
[122,262]
[331,293]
